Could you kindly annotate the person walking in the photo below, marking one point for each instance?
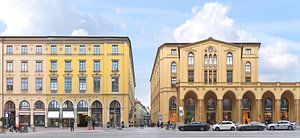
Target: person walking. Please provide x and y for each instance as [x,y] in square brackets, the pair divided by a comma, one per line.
[93,124]
[72,125]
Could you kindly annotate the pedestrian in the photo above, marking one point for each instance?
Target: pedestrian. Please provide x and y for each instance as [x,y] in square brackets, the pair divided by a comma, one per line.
[72,125]
[161,124]
[93,124]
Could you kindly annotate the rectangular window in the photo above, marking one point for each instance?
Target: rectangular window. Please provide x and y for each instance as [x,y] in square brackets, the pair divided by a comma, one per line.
[173,81]
[24,84]
[38,49]
[97,84]
[210,76]
[53,49]
[96,49]
[115,66]
[191,76]
[68,84]
[39,66]
[82,84]
[9,66]
[39,84]
[81,65]
[205,75]
[9,49]
[248,79]
[96,65]
[24,49]
[248,51]
[53,66]
[173,52]
[68,49]
[82,49]
[53,84]
[68,65]
[24,66]
[229,75]
[115,49]
[9,84]
[115,84]
[214,76]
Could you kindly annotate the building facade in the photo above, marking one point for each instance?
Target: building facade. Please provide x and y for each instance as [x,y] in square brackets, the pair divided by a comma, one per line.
[51,80]
[142,115]
[212,80]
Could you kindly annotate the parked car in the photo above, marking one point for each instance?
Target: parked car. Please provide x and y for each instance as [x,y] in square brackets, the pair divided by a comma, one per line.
[251,126]
[194,126]
[282,124]
[224,125]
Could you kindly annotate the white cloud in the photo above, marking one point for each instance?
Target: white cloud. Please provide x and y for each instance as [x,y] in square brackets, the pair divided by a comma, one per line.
[80,32]
[120,11]
[36,17]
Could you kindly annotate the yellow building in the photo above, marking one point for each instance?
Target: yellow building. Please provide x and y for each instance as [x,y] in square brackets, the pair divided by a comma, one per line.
[51,80]
[212,80]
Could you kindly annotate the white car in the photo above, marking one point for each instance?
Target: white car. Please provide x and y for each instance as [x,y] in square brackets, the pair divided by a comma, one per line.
[224,125]
[282,124]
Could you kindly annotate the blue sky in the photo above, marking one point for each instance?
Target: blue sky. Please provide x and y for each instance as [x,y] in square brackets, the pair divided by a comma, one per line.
[275,24]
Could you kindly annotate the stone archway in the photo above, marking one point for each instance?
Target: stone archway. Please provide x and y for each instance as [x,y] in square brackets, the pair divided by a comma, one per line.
[229,104]
[190,102]
[172,109]
[10,110]
[287,106]
[210,107]
[248,107]
[268,107]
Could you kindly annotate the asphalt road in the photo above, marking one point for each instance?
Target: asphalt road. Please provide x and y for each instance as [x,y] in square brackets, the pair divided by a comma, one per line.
[153,133]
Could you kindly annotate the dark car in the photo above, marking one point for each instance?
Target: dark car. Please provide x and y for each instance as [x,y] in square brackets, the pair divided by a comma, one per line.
[194,126]
[251,126]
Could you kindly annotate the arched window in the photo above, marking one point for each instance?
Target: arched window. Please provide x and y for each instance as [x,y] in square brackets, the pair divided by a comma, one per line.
[246,104]
[211,104]
[191,58]
[284,105]
[210,59]
[215,59]
[96,104]
[248,67]
[39,105]
[205,59]
[268,105]
[24,105]
[229,58]
[68,105]
[82,104]
[227,105]
[53,106]
[173,67]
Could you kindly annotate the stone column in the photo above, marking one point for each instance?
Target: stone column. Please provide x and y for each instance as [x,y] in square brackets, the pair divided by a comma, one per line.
[46,117]
[180,118]
[277,110]
[31,119]
[297,111]
[239,110]
[219,110]
[201,109]
[75,117]
[259,111]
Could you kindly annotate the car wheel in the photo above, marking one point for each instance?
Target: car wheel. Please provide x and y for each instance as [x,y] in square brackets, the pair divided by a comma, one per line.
[202,129]
[181,129]
[272,128]
[290,128]
[217,129]
[232,129]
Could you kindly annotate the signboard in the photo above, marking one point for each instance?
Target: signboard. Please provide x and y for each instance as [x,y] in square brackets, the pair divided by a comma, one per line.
[181,111]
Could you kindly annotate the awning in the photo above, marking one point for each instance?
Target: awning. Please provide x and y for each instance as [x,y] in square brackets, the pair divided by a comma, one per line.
[38,113]
[53,114]
[68,114]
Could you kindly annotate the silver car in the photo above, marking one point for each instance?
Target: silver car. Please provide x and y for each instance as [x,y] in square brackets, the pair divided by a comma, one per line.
[282,124]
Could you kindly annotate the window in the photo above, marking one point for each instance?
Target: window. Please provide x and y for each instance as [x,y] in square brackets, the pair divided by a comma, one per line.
[68,49]
[205,75]
[248,67]
[9,66]
[24,49]
[38,66]
[210,59]
[248,79]
[229,59]
[173,82]
[53,49]
[82,84]
[115,84]
[9,84]
[38,49]
[96,65]
[229,75]
[191,59]
[248,51]
[53,66]
[97,84]
[214,76]
[24,66]
[215,59]
[24,84]
[68,84]
[96,49]
[24,105]
[173,52]
[82,49]
[205,59]
[173,67]
[210,76]
[39,105]
[81,65]
[115,49]
[191,76]
[68,65]
[39,84]
[53,84]
[115,65]
[9,49]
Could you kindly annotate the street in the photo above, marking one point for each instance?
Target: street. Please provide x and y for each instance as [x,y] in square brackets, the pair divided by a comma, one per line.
[147,133]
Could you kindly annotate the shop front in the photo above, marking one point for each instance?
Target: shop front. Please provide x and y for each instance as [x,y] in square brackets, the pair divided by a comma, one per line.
[268,110]
[246,102]
[10,114]
[115,114]
[82,113]
[97,113]
[24,119]
[53,118]
[39,119]
[68,113]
